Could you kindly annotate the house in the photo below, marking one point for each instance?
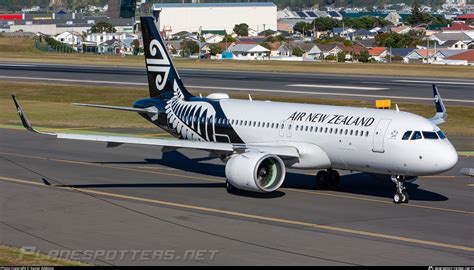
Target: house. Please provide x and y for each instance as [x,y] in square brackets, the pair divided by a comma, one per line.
[252,32]
[72,38]
[321,51]
[112,46]
[275,49]
[366,43]
[213,38]
[400,53]
[465,17]
[362,34]
[402,29]
[174,47]
[467,57]
[393,17]
[352,51]
[420,55]
[442,54]
[441,38]
[378,54]
[342,31]
[460,28]
[249,52]
[99,38]
[455,45]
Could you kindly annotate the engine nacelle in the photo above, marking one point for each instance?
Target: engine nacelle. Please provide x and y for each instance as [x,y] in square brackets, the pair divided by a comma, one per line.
[255,171]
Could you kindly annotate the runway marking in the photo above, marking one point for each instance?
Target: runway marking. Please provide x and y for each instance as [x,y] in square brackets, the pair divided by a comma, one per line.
[126,168]
[436,82]
[250,216]
[470,185]
[337,87]
[70,80]
[245,89]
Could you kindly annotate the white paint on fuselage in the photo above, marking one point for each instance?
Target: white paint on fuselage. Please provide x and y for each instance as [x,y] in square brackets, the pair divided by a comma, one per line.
[346,151]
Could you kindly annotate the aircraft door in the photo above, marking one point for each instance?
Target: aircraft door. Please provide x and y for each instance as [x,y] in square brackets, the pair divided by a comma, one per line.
[281,129]
[379,135]
[289,126]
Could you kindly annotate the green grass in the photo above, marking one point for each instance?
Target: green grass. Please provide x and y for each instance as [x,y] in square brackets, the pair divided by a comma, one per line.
[10,256]
[22,50]
[49,105]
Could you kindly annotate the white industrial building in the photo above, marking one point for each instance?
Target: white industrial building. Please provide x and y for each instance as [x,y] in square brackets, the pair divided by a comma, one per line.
[191,17]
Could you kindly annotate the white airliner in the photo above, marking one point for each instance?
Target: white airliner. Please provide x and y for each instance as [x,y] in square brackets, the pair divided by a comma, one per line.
[258,140]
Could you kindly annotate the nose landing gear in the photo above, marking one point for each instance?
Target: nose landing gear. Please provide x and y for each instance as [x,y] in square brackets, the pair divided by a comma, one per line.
[401,195]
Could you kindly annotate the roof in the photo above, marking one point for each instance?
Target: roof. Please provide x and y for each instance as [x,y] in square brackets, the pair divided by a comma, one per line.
[248,48]
[241,4]
[353,49]
[425,52]
[256,39]
[467,55]
[466,17]
[452,36]
[450,43]
[367,43]
[377,51]
[448,53]
[458,27]
[11,17]
[401,51]
[274,45]
[215,32]
[363,32]
[326,47]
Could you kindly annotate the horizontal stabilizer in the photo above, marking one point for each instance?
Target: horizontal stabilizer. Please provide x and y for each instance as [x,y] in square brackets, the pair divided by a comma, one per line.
[152,110]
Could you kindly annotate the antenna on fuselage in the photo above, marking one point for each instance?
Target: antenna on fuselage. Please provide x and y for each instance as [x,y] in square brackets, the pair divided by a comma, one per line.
[250,98]
[396,107]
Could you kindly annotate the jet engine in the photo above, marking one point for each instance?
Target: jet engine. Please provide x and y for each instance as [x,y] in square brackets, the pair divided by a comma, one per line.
[255,171]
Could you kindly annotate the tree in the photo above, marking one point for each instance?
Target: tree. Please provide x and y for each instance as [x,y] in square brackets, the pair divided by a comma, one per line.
[215,49]
[297,51]
[189,47]
[347,42]
[417,16]
[136,46]
[364,57]
[302,27]
[228,38]
[341,57]
[325,23]
[365,22]
[103,27]
[395,40]
[241,29]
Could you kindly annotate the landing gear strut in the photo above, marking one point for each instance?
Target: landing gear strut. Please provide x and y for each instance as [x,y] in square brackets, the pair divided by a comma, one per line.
[229,187]
[401,195]
[328,179]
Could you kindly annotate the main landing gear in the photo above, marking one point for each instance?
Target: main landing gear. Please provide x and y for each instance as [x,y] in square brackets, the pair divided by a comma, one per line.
[401,195]
[328,179]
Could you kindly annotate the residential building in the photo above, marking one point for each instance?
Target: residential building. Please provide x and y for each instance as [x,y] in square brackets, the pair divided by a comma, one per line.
[249,52]
[72,38]
[378,54]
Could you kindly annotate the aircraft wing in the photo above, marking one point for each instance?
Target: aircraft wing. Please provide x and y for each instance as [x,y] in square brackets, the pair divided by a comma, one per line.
[441,114]
[283,150]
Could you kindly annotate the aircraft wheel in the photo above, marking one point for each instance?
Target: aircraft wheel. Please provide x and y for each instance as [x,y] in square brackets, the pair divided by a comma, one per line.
[229,187]
[322,179]
[398,197]
[405,197]
[334,178]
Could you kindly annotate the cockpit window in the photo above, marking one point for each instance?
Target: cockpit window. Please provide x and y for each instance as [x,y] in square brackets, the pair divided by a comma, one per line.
[441,134]
[416,135]
[406,136]
[430,135]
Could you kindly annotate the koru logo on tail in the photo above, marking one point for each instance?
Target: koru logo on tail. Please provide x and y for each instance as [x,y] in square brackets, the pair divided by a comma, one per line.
[159,64]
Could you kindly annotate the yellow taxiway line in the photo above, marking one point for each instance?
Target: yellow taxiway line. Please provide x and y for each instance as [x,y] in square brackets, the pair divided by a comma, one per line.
[127,168]
[249,216]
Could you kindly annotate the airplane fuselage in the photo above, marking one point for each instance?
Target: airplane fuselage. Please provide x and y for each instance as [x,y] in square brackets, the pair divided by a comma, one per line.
[358,139]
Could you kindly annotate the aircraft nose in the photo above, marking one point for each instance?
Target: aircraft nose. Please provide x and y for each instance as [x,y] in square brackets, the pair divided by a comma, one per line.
[447,158]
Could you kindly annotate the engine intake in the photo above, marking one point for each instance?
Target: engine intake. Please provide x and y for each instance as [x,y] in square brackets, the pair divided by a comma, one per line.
[255,171]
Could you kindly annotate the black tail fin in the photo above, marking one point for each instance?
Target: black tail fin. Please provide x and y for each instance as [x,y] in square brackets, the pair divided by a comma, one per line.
[163,79]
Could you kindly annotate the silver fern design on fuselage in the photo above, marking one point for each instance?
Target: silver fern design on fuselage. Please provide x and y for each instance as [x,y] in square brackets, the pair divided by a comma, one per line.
[191,120]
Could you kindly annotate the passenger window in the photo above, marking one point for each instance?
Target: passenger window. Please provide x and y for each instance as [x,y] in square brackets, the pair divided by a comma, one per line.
[276,125]
[430,135]
[441,134]
[356,133]
[416,135]
[306,129]
[367,134]
[352,131]
[406,136]
[297,127]
[345,132]
[326,130]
